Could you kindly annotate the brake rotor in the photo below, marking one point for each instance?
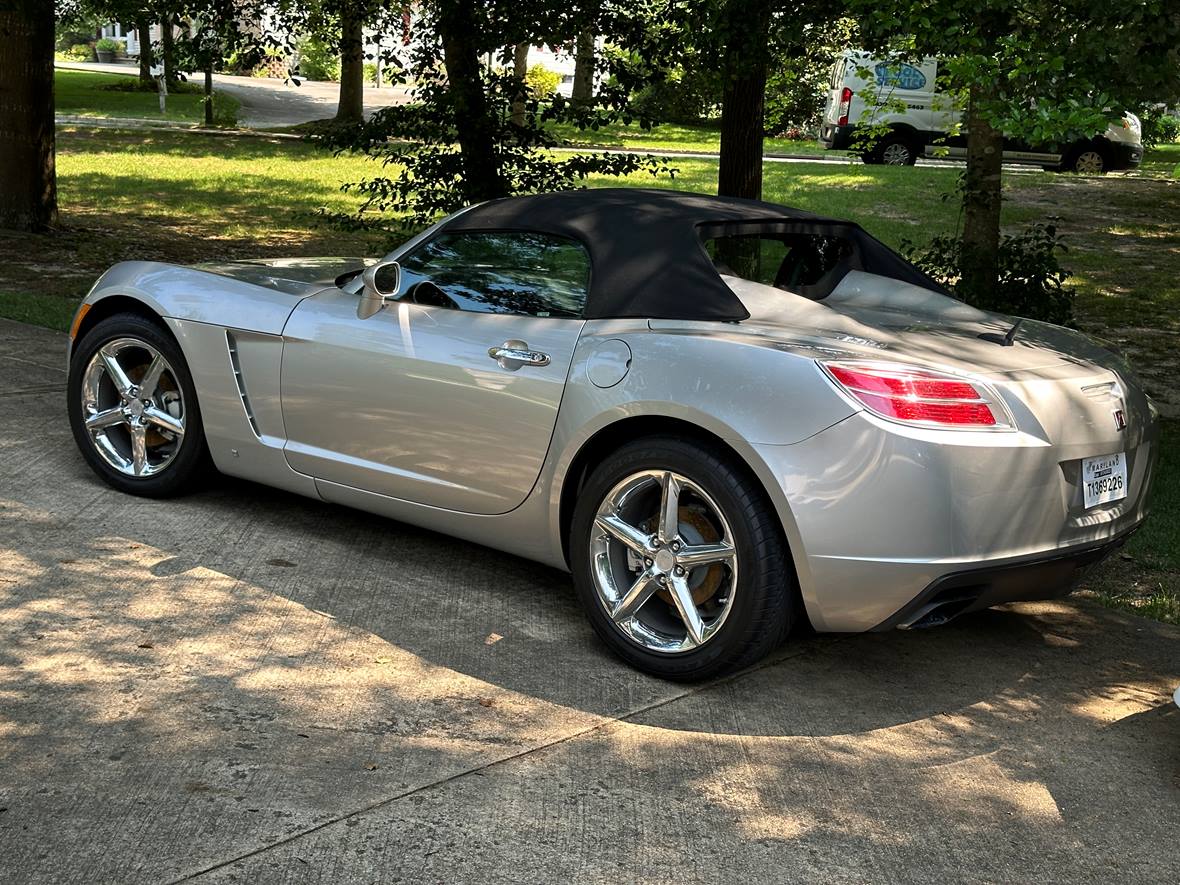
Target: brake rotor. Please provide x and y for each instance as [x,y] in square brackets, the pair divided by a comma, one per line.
[167,393]
[697,528]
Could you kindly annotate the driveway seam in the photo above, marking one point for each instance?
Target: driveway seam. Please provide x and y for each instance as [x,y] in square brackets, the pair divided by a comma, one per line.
[590,729]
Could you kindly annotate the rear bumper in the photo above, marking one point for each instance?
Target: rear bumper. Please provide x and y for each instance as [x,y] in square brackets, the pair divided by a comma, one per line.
[881,519]
[1038,577]
[836,138]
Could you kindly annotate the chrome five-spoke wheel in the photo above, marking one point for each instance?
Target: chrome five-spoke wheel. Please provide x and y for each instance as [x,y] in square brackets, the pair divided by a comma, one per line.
[664,563]
[133,407]
[679,558]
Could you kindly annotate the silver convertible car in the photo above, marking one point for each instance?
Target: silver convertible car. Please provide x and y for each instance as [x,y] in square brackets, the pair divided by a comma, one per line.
[725,418]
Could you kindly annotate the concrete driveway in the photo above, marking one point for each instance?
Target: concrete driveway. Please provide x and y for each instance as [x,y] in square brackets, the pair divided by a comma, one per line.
[243,685]
[267,103]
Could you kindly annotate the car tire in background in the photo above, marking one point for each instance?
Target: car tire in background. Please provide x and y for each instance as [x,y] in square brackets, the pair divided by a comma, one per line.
[133,408]
[622,553]
[893,150]
[1086,159]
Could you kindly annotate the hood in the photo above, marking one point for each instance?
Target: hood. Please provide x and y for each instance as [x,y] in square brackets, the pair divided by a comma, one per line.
[873,317]
[295,276]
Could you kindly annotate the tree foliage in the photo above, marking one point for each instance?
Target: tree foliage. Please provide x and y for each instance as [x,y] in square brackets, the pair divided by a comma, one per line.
[474,131]
[1042,71]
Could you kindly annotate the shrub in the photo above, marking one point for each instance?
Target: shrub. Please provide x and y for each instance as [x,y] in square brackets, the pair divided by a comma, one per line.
[683,98]
[318,61]
[371,73]
[77,52]
[107,44]
[1031,282]
[541,81]
[1160,128]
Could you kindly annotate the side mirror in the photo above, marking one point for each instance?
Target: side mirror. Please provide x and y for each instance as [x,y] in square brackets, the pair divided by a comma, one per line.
[380,281]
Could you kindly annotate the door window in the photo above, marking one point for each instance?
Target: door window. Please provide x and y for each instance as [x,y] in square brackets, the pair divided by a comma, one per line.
[515,272]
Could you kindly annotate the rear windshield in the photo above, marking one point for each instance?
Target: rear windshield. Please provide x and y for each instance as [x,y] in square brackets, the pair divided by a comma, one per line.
[807,257]
[807,264]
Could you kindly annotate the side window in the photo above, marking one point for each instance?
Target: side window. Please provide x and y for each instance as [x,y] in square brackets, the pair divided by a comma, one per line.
[518,272]
[807,264]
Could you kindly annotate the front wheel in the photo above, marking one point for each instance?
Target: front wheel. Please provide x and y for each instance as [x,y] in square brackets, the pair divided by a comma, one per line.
[1086,160]
[679,560]
[133,408]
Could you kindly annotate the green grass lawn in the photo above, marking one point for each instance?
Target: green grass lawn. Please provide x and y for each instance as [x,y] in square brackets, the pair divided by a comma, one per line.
[89,93]
[183,198]
[1162,161]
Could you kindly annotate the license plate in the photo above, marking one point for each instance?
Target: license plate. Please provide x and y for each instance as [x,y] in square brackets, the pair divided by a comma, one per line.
[1104,479]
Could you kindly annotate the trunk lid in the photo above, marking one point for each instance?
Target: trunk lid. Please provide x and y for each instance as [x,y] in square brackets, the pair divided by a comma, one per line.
[871,317]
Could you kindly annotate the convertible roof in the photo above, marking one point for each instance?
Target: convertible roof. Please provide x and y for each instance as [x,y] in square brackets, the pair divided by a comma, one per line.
[646,251]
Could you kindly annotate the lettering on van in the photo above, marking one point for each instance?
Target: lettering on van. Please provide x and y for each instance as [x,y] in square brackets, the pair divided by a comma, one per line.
[899,75]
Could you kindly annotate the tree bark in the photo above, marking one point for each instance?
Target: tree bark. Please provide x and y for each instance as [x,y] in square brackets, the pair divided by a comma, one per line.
[143,29]
[474,129]
[520,69]
[582,92]
[979,262]
[351,108]
[28,183]
[743,99]
[209,95]
[168,50]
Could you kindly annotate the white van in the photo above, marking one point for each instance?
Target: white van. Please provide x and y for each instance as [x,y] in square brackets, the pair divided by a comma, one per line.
[922,128]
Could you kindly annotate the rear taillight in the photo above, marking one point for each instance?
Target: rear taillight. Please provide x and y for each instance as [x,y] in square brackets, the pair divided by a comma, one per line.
[845,106]
[921,396]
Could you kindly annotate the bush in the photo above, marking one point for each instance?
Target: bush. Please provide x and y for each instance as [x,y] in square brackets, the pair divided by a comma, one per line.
[77,52]
[685,98]
[1160,129]
[318,61]
[541,81]
[106,44]
[371,73]
[1032,280]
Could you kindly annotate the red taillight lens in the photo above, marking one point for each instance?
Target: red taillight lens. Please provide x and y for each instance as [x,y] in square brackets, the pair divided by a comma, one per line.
[845,106]
[920,396]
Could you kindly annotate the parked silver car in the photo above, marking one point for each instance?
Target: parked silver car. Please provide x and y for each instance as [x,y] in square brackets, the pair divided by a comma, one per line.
[722,416]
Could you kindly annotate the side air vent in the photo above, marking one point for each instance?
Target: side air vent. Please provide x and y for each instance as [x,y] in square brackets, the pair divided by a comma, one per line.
[232,344]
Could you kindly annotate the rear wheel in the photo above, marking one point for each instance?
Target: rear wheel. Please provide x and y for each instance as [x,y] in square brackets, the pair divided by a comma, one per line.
[133,408]
[893,150]
[679,560]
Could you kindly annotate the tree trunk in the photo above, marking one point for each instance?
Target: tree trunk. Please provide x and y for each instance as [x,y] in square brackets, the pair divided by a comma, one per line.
[28,183]
[473,124]
[520,69]
[143,29]
[351,108]
[168,50]
[582,92]
[209,95]
[743,100]
[979,264]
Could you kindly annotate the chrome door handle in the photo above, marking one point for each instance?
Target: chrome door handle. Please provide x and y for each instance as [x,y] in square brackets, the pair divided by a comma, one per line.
[514,354]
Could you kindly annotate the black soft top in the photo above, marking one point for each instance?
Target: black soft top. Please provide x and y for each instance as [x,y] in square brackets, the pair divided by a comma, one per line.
[646,250]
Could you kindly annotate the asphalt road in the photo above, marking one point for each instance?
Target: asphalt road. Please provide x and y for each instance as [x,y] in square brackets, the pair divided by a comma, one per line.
[242,685]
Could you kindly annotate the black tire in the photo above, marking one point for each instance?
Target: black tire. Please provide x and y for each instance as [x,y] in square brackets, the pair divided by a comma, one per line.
[892,146]
[191,458]
[765,598]
[1086,159]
